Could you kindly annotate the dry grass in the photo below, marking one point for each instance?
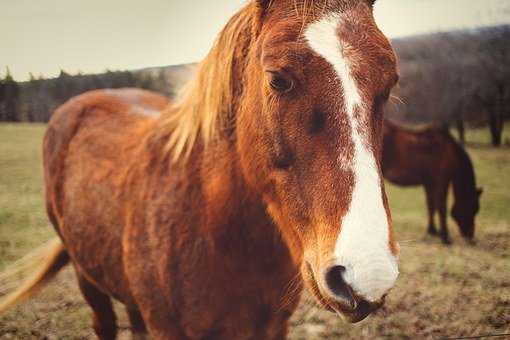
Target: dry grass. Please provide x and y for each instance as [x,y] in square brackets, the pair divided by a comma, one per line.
[442,292]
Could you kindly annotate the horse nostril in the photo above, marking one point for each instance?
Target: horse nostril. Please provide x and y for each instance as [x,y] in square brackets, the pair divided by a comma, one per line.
[337,285]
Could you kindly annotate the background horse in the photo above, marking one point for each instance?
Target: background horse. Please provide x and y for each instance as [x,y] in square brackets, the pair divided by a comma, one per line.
[200,219]
[432,158]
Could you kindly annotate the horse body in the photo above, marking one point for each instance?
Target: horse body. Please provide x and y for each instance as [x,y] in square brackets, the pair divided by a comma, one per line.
[207,218]
[88,140]
[106,250]
[432,158]
[407,155]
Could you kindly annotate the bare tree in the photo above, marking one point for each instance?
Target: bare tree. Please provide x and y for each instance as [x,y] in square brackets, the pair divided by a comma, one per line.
[494,74]
[9,98]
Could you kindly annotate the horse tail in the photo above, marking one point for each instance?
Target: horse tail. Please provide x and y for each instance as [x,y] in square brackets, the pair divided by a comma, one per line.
[46,262]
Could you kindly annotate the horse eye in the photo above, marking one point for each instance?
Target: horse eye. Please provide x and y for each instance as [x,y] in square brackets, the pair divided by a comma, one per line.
[284,162]
[280,83]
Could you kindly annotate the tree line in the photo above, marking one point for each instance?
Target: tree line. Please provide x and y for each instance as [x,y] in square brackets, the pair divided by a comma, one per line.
[36,99]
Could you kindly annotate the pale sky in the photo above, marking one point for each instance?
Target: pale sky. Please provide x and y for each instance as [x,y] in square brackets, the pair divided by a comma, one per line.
[44,36]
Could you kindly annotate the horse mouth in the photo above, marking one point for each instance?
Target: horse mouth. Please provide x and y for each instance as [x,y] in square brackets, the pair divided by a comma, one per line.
[352,315]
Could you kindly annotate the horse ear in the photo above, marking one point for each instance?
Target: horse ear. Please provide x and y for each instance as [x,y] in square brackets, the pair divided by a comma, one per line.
[479,191]
[264,4]
[262,7]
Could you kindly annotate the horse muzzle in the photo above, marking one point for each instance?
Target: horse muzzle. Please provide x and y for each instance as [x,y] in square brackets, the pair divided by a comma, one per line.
[335,295]
[342,298]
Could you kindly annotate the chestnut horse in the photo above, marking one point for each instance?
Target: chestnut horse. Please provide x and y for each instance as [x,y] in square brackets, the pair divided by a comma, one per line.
[432,158]
[202,219]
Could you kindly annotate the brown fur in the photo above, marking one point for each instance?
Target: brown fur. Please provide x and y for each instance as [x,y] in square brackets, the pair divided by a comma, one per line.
[199,220]
[432,158]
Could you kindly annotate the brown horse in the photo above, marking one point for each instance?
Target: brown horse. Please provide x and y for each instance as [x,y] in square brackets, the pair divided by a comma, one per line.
[203,219]
[432,158]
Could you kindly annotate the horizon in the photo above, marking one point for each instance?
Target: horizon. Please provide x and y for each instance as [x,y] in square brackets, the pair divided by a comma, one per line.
[103,37]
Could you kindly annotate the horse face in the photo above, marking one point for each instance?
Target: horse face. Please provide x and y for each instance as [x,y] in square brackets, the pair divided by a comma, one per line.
[319,95]
[464,213]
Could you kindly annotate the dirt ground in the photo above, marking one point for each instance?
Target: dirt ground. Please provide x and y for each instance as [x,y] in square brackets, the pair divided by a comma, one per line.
[442,292]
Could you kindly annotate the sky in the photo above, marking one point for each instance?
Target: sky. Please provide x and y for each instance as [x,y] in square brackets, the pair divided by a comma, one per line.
[90,36]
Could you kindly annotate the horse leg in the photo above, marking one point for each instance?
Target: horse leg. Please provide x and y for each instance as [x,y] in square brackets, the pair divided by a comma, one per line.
[137,324]
[431,206]
[104,320]
[441,199]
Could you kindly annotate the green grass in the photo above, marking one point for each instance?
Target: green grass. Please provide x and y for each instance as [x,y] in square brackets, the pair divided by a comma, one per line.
[462,290]
[23,222]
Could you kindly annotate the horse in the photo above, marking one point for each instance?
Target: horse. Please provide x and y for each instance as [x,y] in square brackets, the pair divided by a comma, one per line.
[208,218]
[432,158]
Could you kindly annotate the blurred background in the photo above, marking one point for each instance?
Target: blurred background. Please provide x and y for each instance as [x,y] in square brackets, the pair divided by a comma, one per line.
[454,59]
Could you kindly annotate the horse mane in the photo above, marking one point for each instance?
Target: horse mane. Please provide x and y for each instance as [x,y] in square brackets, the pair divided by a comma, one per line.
[208,100]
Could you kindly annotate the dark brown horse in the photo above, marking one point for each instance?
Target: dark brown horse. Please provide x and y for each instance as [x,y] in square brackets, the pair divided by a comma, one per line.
[202,219]
[432,158]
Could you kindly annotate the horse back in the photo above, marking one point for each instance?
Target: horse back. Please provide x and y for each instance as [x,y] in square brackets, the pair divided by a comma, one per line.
[89,142]
[416,157]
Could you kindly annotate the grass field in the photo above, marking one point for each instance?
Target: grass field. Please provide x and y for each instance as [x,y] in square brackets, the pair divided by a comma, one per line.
[442,292]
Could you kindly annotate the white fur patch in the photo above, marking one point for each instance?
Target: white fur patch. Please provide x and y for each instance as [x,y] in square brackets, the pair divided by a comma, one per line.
[362,246]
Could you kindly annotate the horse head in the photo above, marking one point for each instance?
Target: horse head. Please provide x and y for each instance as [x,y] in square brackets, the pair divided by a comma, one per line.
[309,136]
[464,212]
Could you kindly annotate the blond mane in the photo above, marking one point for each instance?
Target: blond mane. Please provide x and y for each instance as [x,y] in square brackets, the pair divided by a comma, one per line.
[205,102]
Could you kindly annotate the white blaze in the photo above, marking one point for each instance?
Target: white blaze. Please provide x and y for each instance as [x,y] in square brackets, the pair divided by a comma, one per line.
[362,246]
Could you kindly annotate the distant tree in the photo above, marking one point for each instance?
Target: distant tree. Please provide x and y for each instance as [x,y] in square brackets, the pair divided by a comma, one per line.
[64,88]
[9,97]
[2,99]
[29,95]
[494,79]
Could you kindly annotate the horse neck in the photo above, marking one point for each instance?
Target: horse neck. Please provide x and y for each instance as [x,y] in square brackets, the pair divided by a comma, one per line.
[233,215]
[464,183]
